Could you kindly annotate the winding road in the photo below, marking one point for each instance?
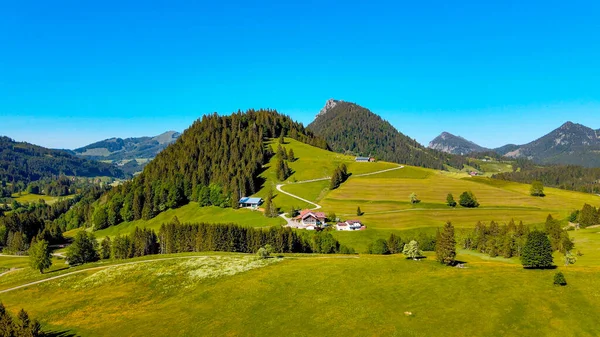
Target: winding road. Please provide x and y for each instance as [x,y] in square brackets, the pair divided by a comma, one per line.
[317,206]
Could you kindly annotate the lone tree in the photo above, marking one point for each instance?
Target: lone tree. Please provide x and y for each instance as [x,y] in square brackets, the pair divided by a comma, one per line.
[358,211]
[467,199]
[450,200]
[445,245]
[39,255]
[411,250]
[537,252]
[559,279]
[537,189]
[414,199]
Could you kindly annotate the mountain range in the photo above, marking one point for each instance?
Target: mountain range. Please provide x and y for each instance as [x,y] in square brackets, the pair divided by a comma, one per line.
[571,143]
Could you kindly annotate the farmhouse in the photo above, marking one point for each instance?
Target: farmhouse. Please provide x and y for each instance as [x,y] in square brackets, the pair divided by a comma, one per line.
[365,159]
[250,202]
[350,225]
[310,220]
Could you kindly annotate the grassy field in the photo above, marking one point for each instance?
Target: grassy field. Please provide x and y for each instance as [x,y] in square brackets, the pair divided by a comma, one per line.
[29,198]
[312,163]
[193,213]
[233,295]
[218,294]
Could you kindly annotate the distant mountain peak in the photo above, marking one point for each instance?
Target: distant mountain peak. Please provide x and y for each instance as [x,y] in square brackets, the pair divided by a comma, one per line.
[330,104]
[449,143]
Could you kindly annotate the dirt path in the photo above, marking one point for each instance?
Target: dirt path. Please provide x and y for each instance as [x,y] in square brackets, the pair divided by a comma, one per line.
[317,206]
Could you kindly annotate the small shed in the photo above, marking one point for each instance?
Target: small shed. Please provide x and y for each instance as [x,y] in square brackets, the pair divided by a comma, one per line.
[250,202]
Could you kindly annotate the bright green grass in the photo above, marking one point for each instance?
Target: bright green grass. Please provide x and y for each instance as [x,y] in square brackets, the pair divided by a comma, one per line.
[308,297]
[193,213]
[312,163]
[34,198]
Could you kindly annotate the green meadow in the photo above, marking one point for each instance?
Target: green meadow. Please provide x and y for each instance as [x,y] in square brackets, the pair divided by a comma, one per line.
[236,295]
[226,294]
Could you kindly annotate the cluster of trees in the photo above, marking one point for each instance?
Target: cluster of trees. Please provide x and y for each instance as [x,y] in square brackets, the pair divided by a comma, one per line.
[271,211]
[21,326]
[223,151]
[444,245]
[574,178]
[396,244]
[349,128]
[494,239]
[468,199]
[587,216]
[179,238]
[339,175]
[22,163]
[282,169]
[510,240]
[58,187]
[81,213]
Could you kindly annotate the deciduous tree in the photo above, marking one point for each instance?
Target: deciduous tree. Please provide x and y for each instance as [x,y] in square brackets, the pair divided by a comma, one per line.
[40,257]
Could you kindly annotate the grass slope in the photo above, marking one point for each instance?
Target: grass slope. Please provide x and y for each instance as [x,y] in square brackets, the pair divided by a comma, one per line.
[193,213]
[324,296]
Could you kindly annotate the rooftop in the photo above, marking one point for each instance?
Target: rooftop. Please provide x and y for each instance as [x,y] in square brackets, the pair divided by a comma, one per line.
[248,200]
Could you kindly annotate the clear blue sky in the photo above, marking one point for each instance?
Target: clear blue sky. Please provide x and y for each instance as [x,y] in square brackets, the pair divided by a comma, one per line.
[74,72]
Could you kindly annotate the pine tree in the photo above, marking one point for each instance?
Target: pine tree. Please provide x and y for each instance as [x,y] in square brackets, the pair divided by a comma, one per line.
[105,248]
[291,156]
[445,245]
[450,200]
[467,199]
[537,252]
[394,243]
[39,255]
[358,211]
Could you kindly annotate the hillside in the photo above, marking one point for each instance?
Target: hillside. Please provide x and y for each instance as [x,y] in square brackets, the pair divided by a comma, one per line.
[216,160]
[350,128]
[24,162]
[129,154]
[117,149]
[572,144]
[449,143]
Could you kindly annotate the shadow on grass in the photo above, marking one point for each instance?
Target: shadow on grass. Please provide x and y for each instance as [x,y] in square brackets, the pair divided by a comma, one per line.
[56,270]
[541,268]
[64,333]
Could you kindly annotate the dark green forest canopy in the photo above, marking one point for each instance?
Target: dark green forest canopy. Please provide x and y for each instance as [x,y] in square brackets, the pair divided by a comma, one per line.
[225,154]
[24,162]
[348,127]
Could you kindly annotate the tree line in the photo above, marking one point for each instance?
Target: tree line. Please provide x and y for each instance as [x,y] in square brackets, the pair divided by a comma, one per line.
[217,159]
[340,174]
[20,326]
[174,237]
[566,177]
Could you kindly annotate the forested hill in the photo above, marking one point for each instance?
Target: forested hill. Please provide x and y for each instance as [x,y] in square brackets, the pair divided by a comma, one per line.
[128,148]
[217,156]
[24,162]
[350,128]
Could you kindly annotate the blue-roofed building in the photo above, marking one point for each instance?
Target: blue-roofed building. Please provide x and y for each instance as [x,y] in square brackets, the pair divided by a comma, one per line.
[250,202]
[365,159]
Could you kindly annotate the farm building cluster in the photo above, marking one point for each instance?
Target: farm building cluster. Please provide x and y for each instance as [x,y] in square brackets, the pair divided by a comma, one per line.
[311,220]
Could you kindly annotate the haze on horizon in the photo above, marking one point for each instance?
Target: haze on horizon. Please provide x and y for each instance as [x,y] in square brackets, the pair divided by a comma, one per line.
[492,73]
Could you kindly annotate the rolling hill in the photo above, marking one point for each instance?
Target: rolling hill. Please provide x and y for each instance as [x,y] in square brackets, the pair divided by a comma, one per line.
[449,143]
[352,129]
[24,162]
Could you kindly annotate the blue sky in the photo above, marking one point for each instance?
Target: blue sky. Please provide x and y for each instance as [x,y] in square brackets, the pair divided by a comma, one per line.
[74,72]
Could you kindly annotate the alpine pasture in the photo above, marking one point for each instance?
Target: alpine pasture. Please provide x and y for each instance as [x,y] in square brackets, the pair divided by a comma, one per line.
[201,294]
